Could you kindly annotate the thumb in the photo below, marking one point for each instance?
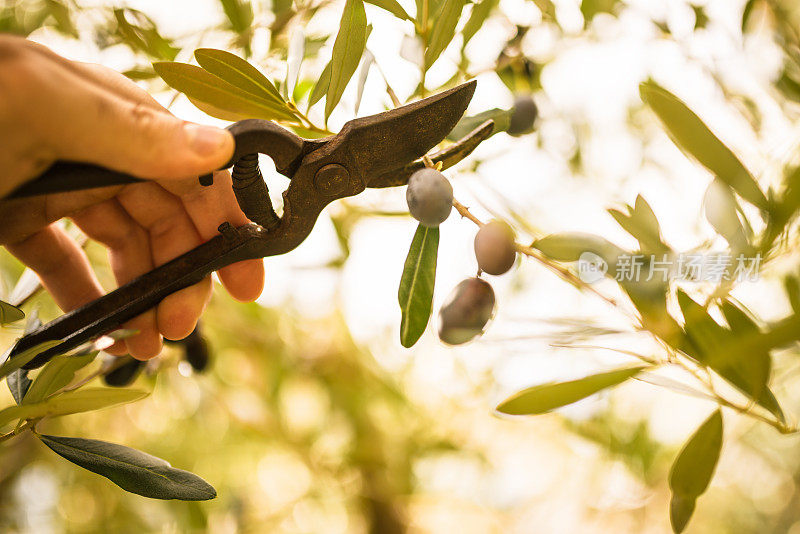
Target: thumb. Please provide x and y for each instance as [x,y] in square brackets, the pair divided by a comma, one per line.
[131,135]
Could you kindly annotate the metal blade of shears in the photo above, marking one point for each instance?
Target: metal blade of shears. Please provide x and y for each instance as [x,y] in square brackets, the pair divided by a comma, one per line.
[394,138]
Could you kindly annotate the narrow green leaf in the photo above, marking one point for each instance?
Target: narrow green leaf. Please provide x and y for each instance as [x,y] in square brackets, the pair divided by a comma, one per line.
[722,212]
[363,73]
[444,30]
[55,375]
[347,51]
[130,469]
[746,12]
[79,400]
[693,137]
[139,32]
[321,87]
[480,12]
[218,113]
[238,72]
[546,397]
[568,247]
[792,287]
[693,468]
[18,383]
[201,85]
[12,364]
[9,313]
[294,58]
[641,223]
[238,13]
[393,7]
[754,366]
[708,337]
[717,347]
[680,511]
[416,284]
[501,118]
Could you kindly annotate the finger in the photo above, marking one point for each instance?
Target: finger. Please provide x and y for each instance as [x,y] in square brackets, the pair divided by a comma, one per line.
[61,264]
[211,206]
[171,234]
[80,120]
[101,75]
[129,254]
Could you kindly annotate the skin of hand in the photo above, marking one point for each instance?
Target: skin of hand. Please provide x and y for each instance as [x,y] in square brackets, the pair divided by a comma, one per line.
[52,108]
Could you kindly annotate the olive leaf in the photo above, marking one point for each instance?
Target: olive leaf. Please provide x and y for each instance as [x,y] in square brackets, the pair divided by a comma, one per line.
[139,32]
[568,247]
[321,87]
[294,58]
[10,313]
[130,469]
[199,84]
[501,118]
[691,473]
[79,400]
[727,351]
[546,397]
[722,212]
[692,136]
[12,364]
[393,7]
[239,14]
[443,30]
[755,367]
[415,294]
[792,287]
[480,12]
[55,375]
[366,63]
[347,51]
[640,221]
[238,72]
[18,384]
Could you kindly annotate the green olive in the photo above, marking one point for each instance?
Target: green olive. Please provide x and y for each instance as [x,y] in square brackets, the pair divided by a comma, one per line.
[494,247]
[429,196]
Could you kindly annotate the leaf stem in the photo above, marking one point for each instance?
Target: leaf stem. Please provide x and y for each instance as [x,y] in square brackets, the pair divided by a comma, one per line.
[29,425]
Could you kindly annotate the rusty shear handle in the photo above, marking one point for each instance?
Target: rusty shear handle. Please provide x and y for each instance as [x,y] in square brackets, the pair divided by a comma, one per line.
[112,310]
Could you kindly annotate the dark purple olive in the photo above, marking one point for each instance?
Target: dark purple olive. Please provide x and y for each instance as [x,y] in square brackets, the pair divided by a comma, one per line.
[494,247]
[429,196]
[125,374]
[195,350]
[523,115]
[467,310]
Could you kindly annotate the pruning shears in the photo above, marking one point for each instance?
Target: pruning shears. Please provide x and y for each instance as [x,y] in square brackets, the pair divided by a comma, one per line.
[377,151]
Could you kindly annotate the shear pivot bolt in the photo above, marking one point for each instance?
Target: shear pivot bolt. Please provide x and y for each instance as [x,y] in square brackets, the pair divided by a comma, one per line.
[331,180]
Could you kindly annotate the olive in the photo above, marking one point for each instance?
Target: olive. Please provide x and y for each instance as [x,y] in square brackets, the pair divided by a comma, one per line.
[494,247]
[467,310]
[125,374]
[196,351]
[429,196]
[523,115]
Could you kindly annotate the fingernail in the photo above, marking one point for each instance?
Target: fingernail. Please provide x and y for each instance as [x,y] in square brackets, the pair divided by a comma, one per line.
[206,140]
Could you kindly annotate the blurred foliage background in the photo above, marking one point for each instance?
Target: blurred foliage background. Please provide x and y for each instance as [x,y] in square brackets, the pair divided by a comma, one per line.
[303,426]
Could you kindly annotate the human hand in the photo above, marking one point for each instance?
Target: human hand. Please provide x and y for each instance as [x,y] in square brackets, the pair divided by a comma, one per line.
[52,108]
